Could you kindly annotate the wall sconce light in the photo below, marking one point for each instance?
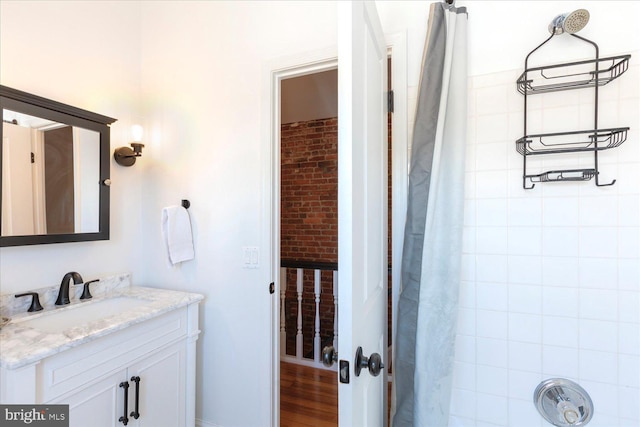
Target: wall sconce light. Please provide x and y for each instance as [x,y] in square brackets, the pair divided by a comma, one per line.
[125,156]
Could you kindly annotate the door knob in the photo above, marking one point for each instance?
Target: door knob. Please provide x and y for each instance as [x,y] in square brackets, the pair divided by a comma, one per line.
[373,363]
[329,356]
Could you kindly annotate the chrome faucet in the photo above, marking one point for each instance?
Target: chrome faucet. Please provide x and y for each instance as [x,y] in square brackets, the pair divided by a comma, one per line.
[63,293]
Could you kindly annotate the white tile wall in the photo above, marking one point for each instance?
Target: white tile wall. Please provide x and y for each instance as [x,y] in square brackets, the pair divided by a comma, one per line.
[551,275]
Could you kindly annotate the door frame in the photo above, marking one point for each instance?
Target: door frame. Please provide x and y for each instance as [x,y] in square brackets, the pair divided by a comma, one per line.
[309,63]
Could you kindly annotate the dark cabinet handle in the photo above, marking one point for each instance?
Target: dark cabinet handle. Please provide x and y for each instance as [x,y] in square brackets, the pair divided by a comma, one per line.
[135,414]
[124,419]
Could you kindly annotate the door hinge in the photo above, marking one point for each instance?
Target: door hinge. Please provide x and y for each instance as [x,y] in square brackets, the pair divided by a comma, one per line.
[272,287]
[390,101]
[33,158]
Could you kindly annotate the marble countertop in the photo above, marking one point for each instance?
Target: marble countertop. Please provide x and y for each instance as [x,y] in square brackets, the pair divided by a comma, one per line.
[21,345]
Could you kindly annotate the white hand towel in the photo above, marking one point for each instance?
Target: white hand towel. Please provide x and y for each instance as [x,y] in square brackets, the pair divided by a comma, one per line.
[176,231]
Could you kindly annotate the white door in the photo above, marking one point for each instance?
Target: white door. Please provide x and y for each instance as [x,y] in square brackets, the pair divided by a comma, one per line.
[362,211]
[17,186]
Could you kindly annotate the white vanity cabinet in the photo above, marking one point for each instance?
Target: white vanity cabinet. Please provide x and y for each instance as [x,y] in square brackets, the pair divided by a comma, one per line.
[160,351]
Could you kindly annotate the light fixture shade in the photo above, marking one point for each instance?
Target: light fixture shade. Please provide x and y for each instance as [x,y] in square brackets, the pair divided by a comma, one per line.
[136,133]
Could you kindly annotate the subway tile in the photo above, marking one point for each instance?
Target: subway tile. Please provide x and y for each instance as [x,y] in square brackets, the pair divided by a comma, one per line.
[458,421]
[560,331]
[560,362]
[629,86]
[629,210]
[560,211]
[525,212]
[464,375]
[523,413]
[599,242]
[471,149]
[466,321]
[599,211]
[559,301]
[599,273]
[491,240]
[491,184]
[491,380]
[604,396]
[628,408]
[525,327]
[560,241]
[467,297]
[522,384]
[524,269]
[470,213]
[629,242]
[469,186]
[628,306]
[629,274]
[491,128]
[491,100]
[491,268]
[525,241]
[463,403]
[629,370]
[492,409]
[491,212]
[491,156]
[629,338]
[469,240]
[465,348]
[628,178]
[491,324]
[560,271]
[598,366]
[598,335]
[491,352]
[599,304]
[468,267]
[560,119]
[492,296]
[525,299]
[524,356]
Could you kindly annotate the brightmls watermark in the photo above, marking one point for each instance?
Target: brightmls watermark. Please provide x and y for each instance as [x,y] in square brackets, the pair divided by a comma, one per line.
[34,415]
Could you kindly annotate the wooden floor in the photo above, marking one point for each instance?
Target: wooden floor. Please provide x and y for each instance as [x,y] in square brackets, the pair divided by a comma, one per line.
[308,396]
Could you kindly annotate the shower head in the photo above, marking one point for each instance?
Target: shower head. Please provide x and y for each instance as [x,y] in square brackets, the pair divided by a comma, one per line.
[569,22]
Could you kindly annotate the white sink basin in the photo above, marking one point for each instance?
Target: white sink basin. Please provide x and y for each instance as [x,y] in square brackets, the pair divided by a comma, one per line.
[62,319]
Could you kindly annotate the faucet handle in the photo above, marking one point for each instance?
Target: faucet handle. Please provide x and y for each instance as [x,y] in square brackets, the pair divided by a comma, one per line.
[35,300]
[86,294]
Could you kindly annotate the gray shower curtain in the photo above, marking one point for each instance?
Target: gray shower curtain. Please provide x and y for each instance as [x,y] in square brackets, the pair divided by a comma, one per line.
[427,307]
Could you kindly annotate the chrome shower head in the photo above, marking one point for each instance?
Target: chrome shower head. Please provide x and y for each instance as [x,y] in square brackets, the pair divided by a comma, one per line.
[569,22]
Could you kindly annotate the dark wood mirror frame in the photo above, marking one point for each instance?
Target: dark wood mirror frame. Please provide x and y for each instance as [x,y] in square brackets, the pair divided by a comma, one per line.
[23,102]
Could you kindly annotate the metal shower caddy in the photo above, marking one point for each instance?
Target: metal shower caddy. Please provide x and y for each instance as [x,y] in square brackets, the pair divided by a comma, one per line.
[561,77]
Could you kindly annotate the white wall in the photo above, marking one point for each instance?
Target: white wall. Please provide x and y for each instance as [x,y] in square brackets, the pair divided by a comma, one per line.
[203,67]
[83,54]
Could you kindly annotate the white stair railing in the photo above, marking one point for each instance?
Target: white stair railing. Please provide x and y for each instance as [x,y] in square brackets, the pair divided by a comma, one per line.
[299,356]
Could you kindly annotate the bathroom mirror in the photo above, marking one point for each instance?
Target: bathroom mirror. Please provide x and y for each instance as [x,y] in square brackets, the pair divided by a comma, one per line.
[55,171]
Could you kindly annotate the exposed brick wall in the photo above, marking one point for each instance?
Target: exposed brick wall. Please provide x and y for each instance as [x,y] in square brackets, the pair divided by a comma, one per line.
[309,220]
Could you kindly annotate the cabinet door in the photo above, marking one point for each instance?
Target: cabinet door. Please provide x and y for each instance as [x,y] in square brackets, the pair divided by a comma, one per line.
[98,405]
[162,388]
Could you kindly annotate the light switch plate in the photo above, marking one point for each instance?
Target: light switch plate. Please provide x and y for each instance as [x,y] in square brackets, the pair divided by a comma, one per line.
[250,257]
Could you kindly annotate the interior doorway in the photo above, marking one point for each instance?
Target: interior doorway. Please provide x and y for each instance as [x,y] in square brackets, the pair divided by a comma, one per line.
[283,72]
